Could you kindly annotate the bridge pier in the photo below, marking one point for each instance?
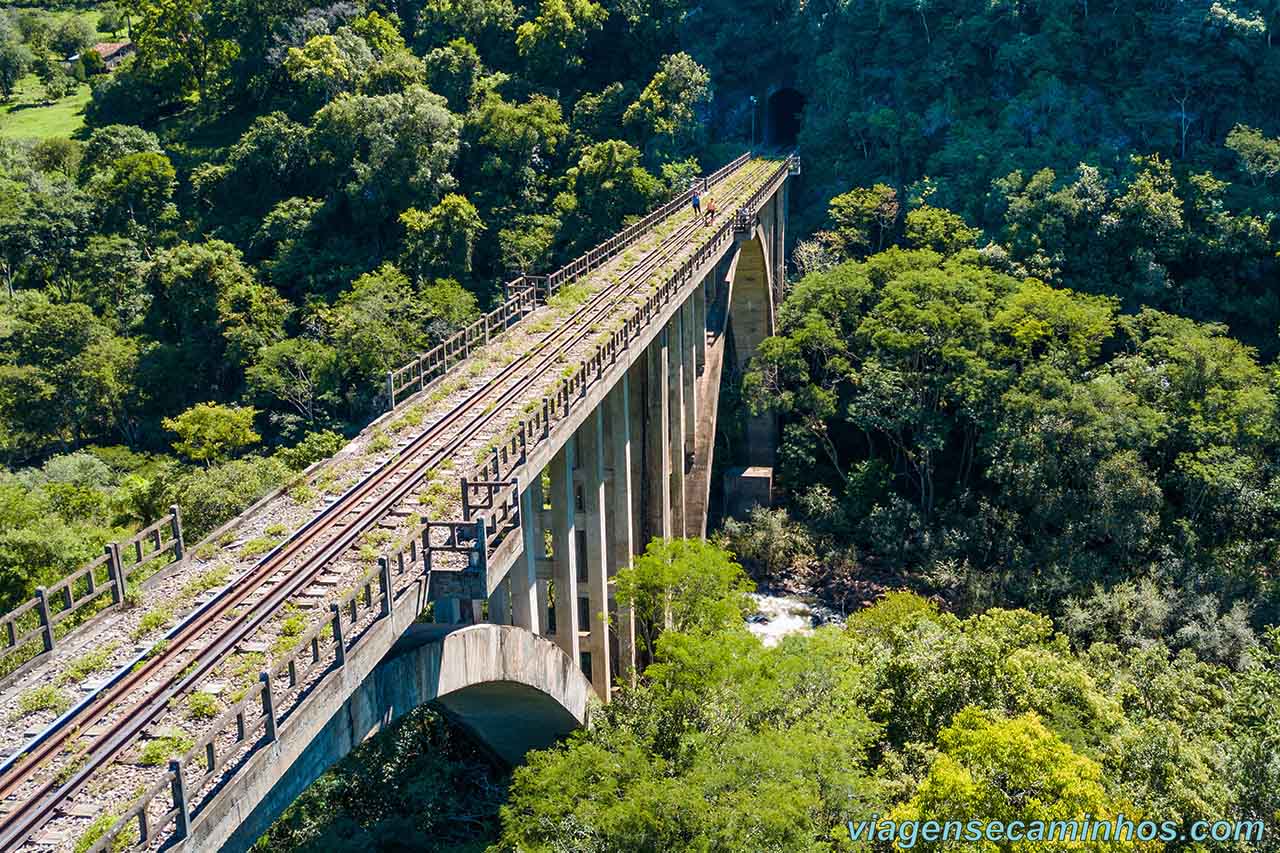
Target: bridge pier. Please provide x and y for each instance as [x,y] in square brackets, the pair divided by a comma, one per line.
[676,425]
[591,442]
[448,611]
[564,548]
[528,600]
[621,541]
[689,331]
[657,440]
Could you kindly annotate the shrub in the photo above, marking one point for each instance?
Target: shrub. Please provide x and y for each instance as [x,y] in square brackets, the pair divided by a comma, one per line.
[153,620]
[290,629]
[87,664]
[379,442]
[171,744]
[206,580]
[126,838]
[313,448]
[218,494]
[202,706]
[258,546]
[46,697]
[302,493]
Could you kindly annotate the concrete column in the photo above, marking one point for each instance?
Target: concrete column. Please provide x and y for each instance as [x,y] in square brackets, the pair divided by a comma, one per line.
[675,378]
[780,247]
[657,439]
[526,607]
[544,604]
[591,447]
[620,531]
[564,536]
[700,324]
[688,333]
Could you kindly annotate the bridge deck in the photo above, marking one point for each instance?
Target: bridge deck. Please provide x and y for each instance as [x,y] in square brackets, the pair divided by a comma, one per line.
[444,430]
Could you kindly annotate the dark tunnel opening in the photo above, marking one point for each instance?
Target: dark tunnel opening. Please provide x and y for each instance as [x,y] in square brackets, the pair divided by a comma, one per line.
[784,115]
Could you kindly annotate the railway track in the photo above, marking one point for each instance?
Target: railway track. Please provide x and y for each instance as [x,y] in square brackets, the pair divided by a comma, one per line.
[295,564]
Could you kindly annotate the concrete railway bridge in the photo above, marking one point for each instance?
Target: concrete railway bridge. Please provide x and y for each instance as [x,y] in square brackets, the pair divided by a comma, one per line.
[587,429]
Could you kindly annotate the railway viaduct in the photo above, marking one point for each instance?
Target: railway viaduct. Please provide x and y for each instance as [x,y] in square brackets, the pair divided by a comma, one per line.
[611,446]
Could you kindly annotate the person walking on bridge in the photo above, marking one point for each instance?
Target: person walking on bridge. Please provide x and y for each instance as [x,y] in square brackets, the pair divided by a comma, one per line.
[711,212]
[697,202]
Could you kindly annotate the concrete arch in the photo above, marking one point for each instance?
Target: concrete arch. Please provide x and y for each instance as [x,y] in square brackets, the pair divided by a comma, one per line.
[514,690]
[751,318]
[751,289]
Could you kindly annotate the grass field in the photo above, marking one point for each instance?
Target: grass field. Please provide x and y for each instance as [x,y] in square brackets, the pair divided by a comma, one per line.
[93,16]
[26,116]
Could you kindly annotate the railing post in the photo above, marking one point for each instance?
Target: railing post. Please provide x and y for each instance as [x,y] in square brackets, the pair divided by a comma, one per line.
[268,706]
[384,580]
[183,828]
[115,573]
[466,500]
[340,647]
[546,416]
[175,527]
[45,622]
[391,390]
[481,555]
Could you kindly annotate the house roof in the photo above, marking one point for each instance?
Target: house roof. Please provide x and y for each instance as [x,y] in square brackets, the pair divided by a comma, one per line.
[108,49]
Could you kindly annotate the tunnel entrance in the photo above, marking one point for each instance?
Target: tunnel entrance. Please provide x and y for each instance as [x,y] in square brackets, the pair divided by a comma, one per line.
[783,125]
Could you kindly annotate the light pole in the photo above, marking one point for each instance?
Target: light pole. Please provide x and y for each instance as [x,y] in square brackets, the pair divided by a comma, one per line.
[753,121]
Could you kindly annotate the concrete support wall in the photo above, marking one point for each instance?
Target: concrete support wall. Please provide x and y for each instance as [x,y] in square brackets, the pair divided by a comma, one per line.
[710,305]
[564,538]
[448,611]
[700,297]
[591,451]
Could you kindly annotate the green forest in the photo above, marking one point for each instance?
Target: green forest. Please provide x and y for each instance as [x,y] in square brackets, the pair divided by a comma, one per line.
[1025,372]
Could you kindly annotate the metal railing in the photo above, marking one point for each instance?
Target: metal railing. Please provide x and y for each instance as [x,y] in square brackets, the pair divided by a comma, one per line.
[38,619]
[524,293]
